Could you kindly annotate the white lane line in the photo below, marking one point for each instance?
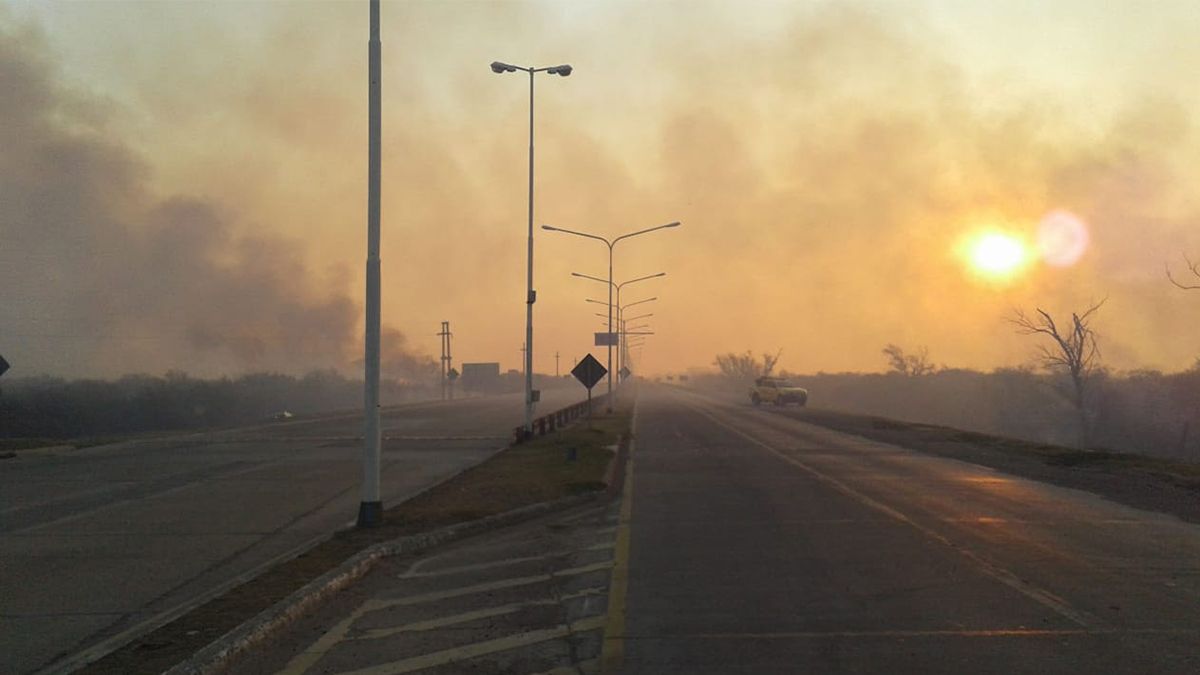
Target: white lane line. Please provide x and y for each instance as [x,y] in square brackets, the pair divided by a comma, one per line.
[491,586]
[456,654]
[502,610]
[301,662]
[304,660]
[589,667]
[1004,576]
[446,571]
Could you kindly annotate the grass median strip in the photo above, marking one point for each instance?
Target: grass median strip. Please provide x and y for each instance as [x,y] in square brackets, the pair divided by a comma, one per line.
[568,462]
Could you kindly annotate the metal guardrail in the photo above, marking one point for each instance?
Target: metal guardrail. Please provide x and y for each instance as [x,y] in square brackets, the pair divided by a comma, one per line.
[558,419]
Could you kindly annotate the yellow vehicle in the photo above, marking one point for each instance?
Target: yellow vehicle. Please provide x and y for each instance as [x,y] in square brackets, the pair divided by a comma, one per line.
[778,391]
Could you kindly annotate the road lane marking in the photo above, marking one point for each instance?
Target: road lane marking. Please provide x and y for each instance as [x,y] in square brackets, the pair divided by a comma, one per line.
[501,563]
[582,668]
[1004,576]
[612,653]
[477,649]
[474,615]
[490,586]
[983,633]
[301,662]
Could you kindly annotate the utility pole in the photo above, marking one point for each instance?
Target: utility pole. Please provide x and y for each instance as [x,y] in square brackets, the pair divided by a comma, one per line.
[447,362]
[556,364]
[370,509]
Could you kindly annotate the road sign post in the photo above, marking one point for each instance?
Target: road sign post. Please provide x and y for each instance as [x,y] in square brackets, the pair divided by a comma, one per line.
[589,371]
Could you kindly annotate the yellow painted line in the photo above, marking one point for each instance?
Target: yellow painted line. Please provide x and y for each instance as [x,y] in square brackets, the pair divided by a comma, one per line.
[612,653]
[464,617]
[475,650]
[1004,576]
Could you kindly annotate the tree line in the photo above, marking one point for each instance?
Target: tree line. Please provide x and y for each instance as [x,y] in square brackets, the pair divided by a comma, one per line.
[55,408]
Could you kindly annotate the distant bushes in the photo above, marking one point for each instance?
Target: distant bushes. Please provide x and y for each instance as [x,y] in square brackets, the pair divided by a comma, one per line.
[1144,411]
[55,408]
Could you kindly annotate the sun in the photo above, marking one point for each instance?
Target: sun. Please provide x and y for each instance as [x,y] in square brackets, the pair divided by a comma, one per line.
[996,255]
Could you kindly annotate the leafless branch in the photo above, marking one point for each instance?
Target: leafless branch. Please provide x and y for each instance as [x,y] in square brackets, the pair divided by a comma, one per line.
[1193,267]
[1073,350]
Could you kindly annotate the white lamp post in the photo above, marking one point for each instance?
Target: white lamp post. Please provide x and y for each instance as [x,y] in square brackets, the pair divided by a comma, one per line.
[530,296]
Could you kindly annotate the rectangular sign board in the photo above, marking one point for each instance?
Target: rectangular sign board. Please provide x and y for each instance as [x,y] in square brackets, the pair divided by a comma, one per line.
[608,339]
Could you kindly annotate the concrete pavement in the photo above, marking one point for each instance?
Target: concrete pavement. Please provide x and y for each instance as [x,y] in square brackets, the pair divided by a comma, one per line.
[101,543]
[760,544]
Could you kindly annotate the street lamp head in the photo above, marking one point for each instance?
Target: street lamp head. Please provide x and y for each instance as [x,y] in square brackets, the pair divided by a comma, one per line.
[498,67]
[674,224]
[550,228]
[563,70]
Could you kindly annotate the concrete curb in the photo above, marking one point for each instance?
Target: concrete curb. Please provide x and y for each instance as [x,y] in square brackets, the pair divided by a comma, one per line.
[216,656]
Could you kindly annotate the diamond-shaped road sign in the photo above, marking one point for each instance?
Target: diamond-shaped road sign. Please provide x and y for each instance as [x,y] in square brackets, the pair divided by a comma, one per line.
[589,371]
[3,365]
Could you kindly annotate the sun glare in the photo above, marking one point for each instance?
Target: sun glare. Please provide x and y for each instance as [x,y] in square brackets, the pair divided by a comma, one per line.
[997,255]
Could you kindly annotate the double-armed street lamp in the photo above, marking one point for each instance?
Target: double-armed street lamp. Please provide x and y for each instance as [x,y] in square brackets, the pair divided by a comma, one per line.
[610,243]
[621,319]
[617,287]
[530,296]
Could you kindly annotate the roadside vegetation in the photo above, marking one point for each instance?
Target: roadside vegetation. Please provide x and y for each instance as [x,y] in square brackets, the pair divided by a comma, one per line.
[1142,412]
[41,411]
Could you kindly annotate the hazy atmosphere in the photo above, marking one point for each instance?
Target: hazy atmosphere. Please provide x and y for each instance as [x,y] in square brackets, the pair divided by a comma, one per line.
[307,362]
[182,185]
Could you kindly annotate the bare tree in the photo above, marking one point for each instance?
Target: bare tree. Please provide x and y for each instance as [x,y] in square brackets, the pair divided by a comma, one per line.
[1072,350]
[1193,267]
[914,364]
[770,361]
[746,366]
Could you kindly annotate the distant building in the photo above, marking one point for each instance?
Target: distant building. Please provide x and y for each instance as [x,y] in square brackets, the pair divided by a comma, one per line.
[481,378]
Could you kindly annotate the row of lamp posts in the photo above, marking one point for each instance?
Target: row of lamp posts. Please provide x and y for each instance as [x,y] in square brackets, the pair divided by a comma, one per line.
[371,507]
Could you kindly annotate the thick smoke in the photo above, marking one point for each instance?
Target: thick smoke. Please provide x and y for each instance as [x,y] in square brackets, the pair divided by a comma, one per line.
[100,276]
[824,159]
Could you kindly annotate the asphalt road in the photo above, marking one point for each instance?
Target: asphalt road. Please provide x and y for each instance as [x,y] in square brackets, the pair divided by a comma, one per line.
[760,544]
[100,543]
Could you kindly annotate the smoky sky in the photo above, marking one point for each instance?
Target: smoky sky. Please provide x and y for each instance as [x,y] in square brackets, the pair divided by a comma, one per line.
[100,276]
[200,204]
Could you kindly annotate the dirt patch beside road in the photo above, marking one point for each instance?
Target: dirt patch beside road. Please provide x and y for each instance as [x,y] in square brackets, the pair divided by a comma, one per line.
[1151,483]
[569,462]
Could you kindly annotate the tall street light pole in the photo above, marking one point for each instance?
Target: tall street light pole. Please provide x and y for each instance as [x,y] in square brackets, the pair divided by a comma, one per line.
[530,295]
[611,244]
[618,287]
[625,334]
[370,509]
